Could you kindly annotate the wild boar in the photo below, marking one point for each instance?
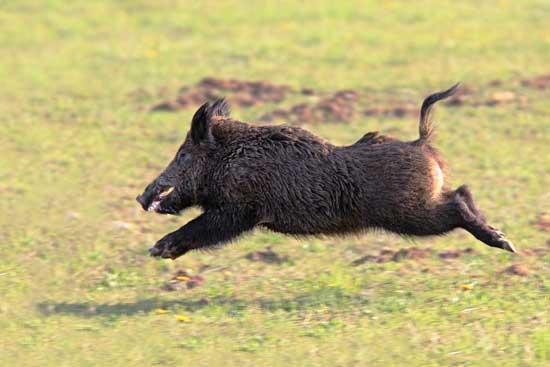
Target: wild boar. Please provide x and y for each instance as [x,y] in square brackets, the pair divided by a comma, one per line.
[288,180]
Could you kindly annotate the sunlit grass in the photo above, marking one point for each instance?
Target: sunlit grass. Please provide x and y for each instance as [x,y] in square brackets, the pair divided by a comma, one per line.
[77,144]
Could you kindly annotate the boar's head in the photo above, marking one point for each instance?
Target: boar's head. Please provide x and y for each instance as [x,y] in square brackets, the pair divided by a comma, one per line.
[183,181]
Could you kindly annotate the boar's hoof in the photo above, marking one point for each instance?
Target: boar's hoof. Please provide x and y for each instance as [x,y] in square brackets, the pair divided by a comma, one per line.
[171,252]
[155,251]
[167,250]
[504,244]
[500,241]
[497,232]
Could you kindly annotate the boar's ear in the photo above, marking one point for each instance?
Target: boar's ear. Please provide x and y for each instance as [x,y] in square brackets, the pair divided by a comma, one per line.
[200,125]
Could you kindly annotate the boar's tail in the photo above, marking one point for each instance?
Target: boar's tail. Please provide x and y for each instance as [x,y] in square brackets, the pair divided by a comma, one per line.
[426,126]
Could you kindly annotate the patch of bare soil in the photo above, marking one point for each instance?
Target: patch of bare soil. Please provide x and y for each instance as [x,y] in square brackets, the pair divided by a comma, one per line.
[383,256]
[267,256]
[339,107]
[195,281]
[495,83]
[504,97]
[539,82]
[537,251]
[183,280]
[543,222]
[342,106]
[412,253]
[237,92]
[386,255]
[455,254]
[393,108]
[517,269]
[464,95]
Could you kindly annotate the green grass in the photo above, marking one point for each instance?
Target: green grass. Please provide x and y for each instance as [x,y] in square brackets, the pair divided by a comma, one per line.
[77,145]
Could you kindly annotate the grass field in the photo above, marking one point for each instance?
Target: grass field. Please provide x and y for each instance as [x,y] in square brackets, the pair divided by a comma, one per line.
[78,142]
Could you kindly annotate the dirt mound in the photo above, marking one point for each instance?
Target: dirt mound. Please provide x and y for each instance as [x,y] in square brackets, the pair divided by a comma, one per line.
[455,254]
[183,280]
[237,92]
[386,255]
[339,107]
[464,95]
[194,281]
[543,222]
[539,82]
[393,108]
[411,253]
[517,269]
[504,97]
[537,251]
[267,256]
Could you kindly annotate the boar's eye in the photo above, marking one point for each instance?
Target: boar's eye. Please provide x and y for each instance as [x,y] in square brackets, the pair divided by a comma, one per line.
[182,157]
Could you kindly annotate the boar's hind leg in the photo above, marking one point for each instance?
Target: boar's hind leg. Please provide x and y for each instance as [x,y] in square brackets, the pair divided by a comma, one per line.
[458,210]
[474,222]
[463,193]
[210,229]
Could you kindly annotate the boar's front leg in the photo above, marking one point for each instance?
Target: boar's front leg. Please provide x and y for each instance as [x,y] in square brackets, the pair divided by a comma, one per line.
[212,228]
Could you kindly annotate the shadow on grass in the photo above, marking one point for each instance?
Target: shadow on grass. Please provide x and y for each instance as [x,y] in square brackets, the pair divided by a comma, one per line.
[334,298]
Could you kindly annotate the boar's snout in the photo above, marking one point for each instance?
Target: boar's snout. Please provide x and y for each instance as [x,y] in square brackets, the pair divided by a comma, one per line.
[144,201]
[154,196]
[150,195]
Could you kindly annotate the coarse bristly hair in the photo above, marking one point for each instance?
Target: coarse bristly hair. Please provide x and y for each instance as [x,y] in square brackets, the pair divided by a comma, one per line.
[290,181]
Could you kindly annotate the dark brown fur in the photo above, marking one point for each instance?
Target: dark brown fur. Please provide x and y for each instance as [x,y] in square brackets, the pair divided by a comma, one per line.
[291,181]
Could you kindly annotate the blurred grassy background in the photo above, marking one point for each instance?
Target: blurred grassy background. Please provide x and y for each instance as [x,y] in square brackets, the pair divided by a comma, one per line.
[77,144]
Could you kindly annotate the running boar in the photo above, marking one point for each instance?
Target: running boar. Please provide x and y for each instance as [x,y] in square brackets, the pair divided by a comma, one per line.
[290,181]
